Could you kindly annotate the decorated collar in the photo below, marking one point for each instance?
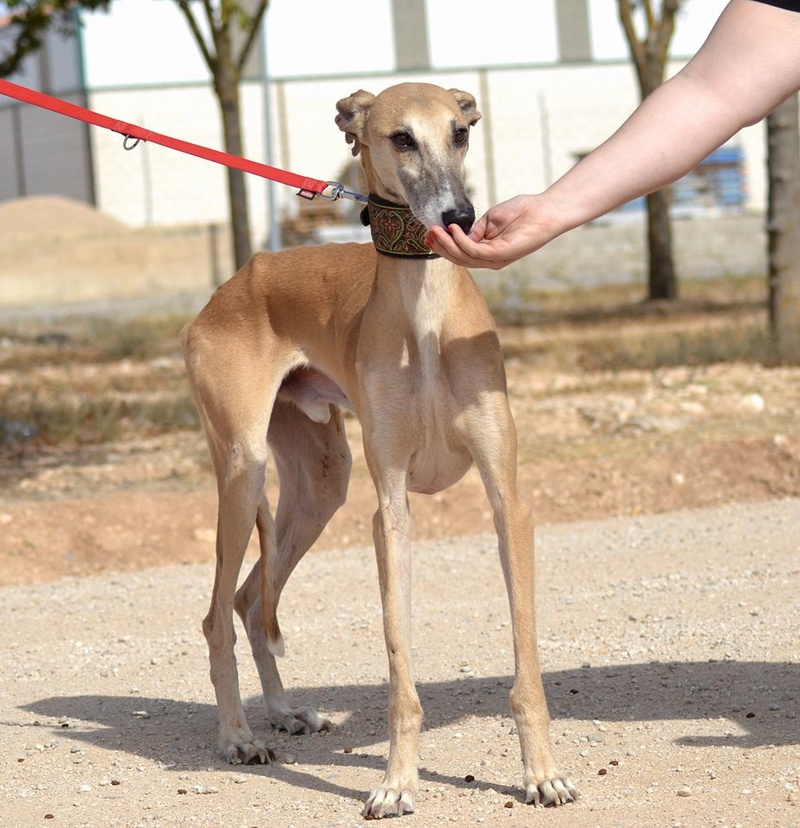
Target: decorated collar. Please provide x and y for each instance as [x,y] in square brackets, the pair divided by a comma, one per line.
[395,230]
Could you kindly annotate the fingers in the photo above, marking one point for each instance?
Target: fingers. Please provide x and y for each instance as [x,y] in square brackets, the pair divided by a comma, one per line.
[463,250]
[442,242]
[454,244]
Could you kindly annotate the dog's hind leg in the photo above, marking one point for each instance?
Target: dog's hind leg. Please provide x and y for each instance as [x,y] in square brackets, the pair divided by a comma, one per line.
[234,402]
[241,469]
[313,463]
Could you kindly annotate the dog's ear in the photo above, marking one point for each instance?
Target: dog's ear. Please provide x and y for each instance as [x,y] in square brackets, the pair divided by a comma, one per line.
[467,104]
[352,117]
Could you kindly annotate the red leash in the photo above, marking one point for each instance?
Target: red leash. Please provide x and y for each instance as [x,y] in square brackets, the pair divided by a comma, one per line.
[308,187]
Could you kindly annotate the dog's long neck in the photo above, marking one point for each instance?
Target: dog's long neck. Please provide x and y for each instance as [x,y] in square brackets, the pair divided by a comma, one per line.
[421,278]
[423,291]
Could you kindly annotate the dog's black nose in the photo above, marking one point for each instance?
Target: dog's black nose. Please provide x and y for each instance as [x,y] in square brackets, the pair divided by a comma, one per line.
[464,217]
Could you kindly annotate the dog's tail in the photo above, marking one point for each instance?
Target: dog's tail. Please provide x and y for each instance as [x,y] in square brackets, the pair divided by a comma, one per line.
[270,590]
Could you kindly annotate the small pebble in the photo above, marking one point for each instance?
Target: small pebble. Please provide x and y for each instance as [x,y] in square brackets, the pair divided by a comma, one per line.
[684,792]
[753,403]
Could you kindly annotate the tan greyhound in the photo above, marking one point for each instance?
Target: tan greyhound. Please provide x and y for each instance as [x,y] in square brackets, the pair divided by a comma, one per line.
[405,341]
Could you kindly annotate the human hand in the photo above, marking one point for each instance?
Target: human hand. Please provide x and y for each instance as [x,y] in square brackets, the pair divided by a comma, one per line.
[505,233]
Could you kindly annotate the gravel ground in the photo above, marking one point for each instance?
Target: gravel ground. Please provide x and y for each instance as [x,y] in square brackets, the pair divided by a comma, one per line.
[670,645]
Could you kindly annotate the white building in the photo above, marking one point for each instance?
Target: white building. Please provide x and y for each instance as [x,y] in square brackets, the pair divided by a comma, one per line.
[552,79]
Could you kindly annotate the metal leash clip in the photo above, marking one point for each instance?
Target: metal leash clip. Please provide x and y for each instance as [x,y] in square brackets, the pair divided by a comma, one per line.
[338,191]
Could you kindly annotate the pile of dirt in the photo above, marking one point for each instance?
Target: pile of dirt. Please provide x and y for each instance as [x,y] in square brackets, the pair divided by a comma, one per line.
[52,215]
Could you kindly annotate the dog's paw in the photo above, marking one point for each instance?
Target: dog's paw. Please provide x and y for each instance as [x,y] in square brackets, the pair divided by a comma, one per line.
[556,791]
[300,722]
[385,802]
[253,752]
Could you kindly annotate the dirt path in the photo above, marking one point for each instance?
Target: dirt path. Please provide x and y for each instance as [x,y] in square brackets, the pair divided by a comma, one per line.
[669,644]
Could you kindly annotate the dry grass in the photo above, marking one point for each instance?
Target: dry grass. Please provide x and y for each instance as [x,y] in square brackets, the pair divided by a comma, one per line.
[103,382]
[613,330]
[107,379]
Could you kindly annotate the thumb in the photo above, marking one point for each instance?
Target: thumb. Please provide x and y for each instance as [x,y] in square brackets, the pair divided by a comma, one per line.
[478,231]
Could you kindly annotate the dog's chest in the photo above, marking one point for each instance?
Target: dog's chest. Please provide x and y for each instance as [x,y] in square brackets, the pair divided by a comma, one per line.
[411,416]
[414,403]
[438,461]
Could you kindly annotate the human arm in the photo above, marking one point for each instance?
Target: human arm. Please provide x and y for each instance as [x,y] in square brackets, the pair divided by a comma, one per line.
[748,65]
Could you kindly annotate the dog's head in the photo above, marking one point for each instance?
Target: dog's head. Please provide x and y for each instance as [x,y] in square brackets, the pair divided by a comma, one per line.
[412,139]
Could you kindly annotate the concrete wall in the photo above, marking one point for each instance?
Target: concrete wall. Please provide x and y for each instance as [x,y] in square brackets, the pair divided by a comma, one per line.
[137,263]
[616,253]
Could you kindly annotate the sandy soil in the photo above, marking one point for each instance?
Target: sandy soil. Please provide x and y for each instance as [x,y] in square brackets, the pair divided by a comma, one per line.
[671,666]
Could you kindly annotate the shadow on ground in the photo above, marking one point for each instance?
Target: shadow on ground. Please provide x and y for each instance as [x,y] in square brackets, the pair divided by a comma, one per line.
[761,698]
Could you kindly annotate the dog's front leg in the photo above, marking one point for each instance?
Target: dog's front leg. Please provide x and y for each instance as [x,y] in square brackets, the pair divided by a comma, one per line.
[496,461]
[391,524]
[544,785]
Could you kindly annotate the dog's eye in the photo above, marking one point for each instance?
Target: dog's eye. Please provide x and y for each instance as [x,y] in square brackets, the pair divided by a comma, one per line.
[460,136]
[402,140]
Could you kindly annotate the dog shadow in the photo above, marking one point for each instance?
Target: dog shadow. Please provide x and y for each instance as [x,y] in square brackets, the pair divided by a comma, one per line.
[761,698]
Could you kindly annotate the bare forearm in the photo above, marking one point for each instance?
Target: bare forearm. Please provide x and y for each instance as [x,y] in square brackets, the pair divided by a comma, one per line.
[732,82]
[669,135]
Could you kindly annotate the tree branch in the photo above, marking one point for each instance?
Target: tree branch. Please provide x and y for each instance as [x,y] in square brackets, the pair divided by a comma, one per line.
[255,25]
[33,20]
[637,48]
[210,59]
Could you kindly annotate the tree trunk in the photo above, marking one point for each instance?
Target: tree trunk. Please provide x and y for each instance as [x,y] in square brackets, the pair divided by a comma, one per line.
[650,54]
[783,227]
[662,281]
[226,85]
